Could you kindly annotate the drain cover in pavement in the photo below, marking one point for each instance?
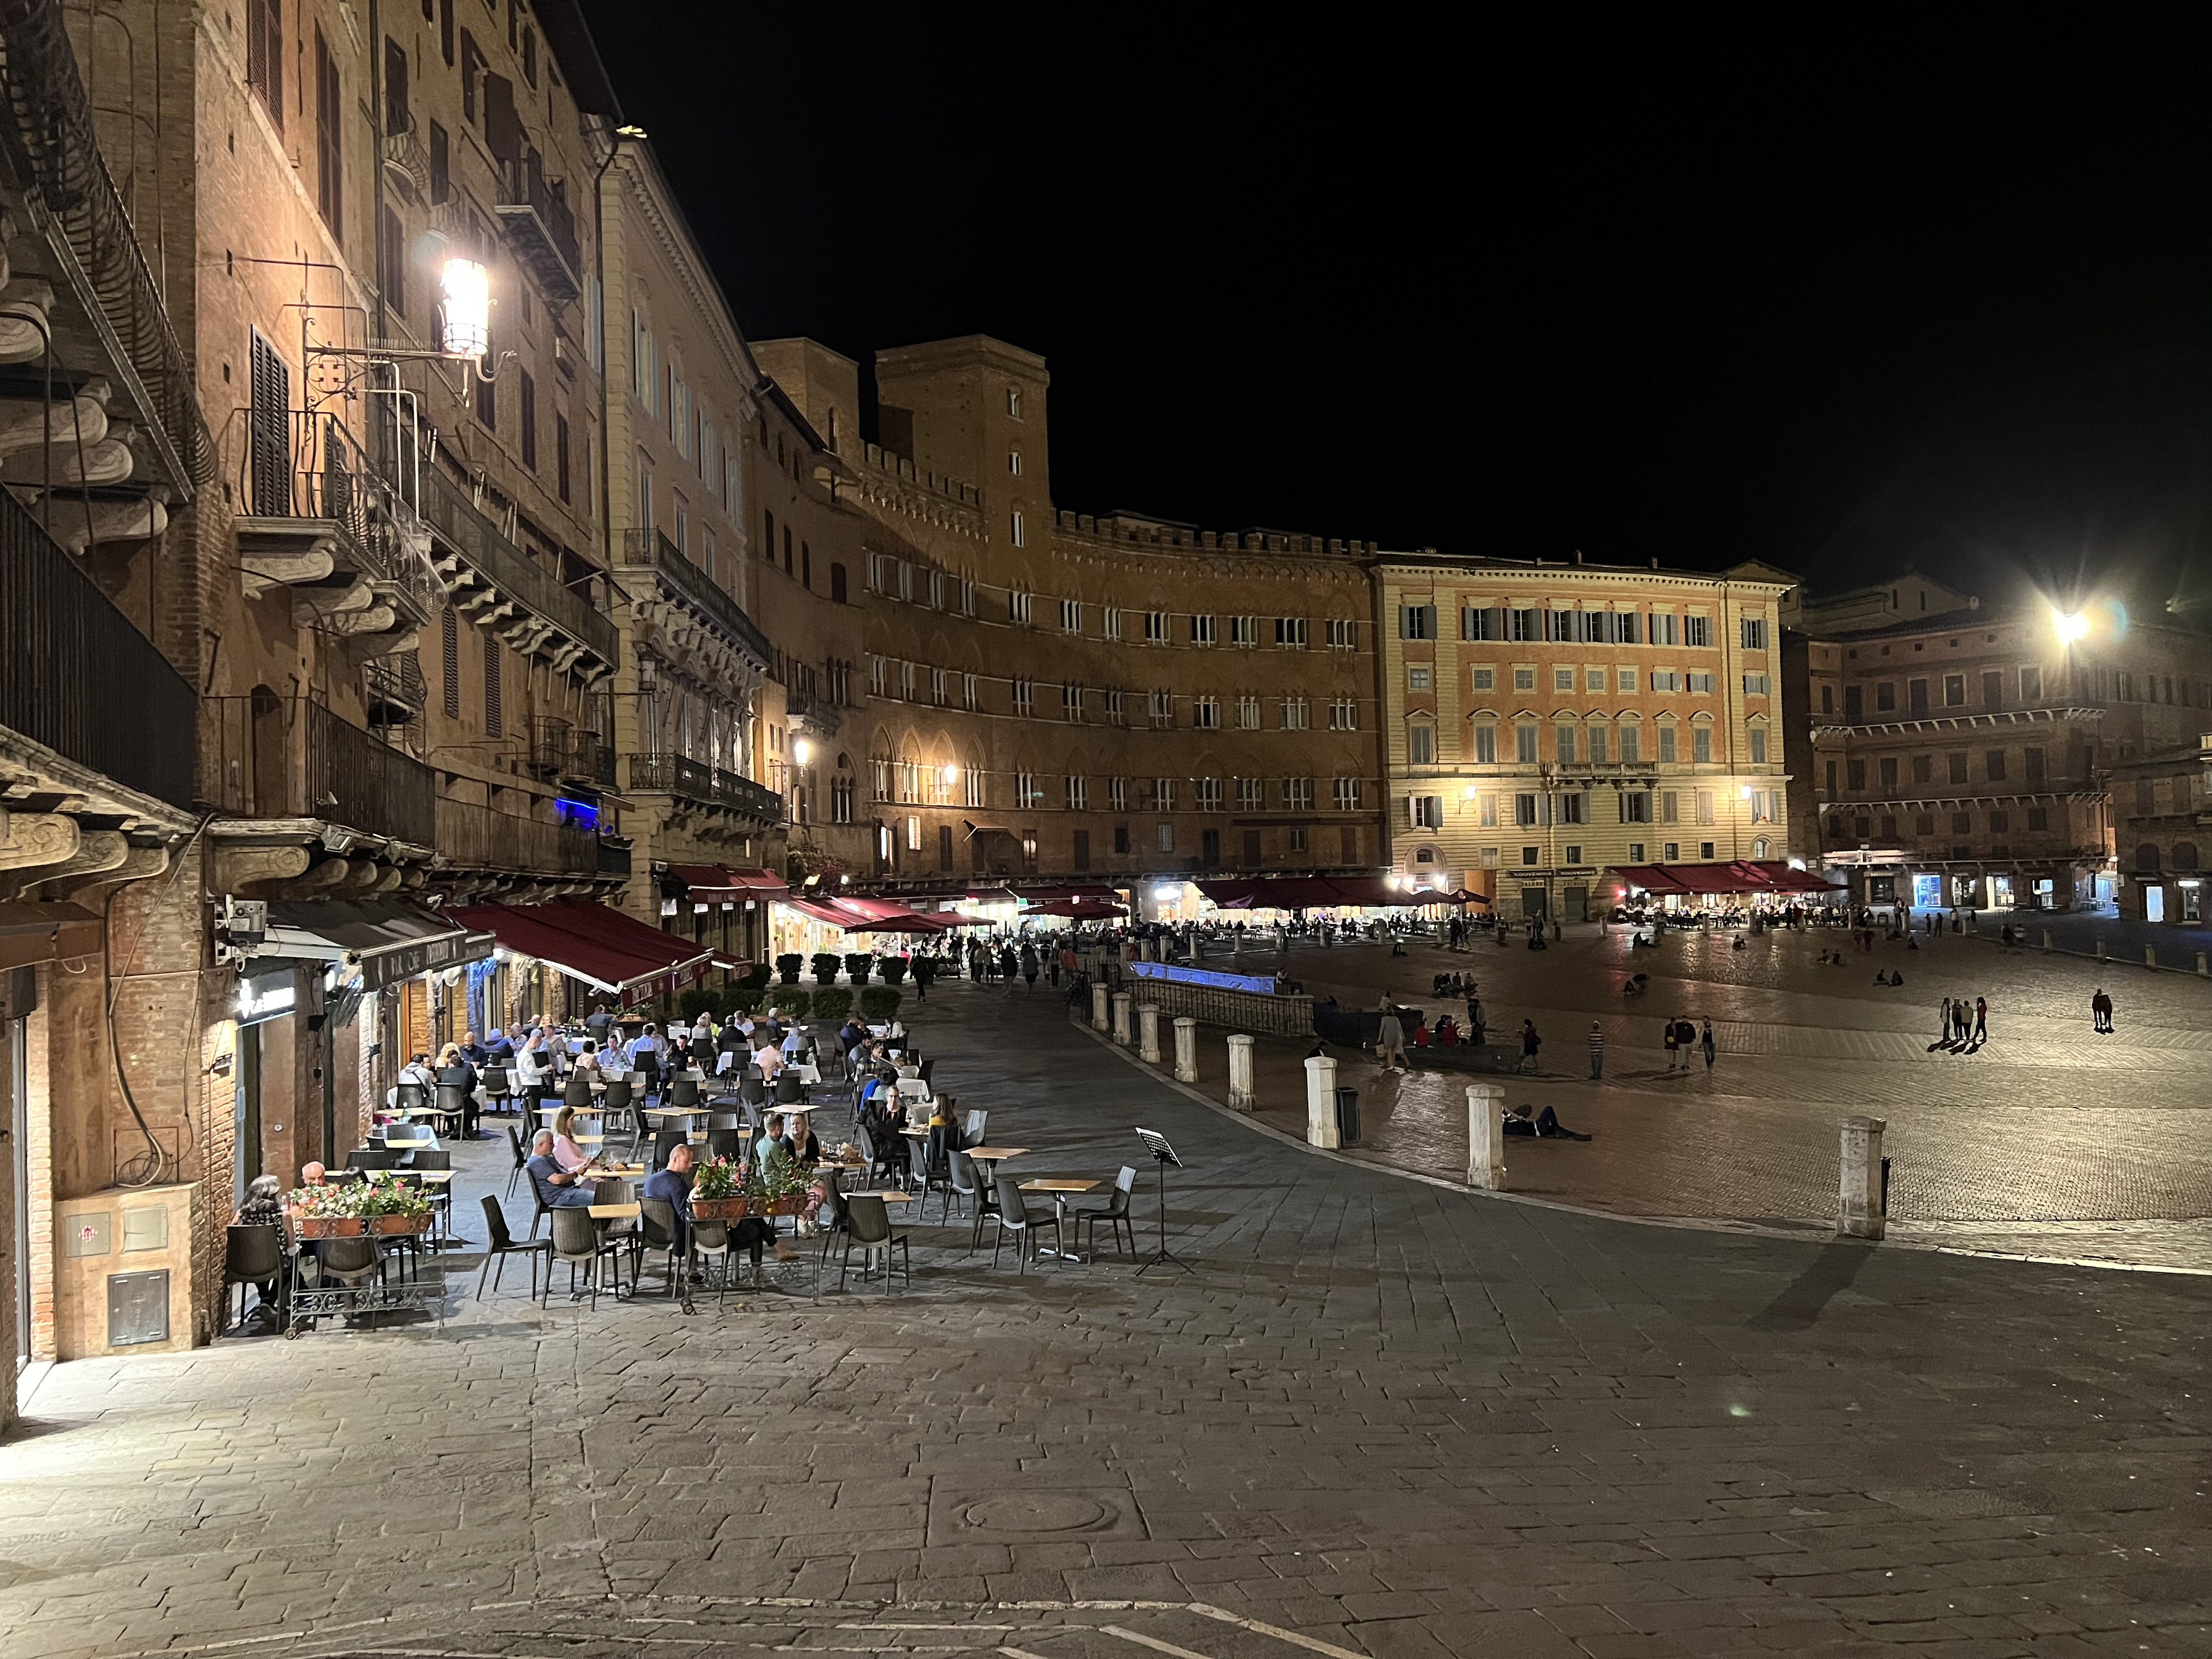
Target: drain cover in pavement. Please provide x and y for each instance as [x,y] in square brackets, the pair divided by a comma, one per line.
[995,1515]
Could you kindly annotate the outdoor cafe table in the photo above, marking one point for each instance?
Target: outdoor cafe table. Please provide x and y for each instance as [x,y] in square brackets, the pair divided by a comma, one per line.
[1060,1191]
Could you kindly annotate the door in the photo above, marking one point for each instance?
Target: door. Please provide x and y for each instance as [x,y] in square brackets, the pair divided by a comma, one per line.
[247,1127]
[1082,858]
[1251,849]
[2153,903]
[1533,907]
[19,1148]
[1918,696]
[1992,689]
[1209,848]
[1574,903]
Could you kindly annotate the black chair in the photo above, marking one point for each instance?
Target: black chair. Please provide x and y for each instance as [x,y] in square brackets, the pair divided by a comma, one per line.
[1114,1214]
[521,1158]
[1018,1216]
[665,1141]
[576,1240]
[683,1091]
[503,1244]
[656,1230]
[576,1092]
[252,1254]
[868,1226]
[457,1104]
[374,1157]
[351,1262]
[725,1143]
[788,1089]
[412,1097]
[753,1091]
[722,1120]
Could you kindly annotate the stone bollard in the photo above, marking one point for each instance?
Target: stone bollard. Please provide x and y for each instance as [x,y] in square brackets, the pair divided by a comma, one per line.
[2047,939]
[2150,956]
[1320,1101]
[1097,1005]
[1148,1033]
[1122,1002]
[2100,950]
[1129,950]
[1186,1029]
[1151,951]
[1859,1211]
[1485,1136]
[2204,966]
[1243,1096]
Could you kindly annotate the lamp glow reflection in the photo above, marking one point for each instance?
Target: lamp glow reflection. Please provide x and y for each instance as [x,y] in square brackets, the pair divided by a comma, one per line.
[466,288]
[802,751]
[2068,625]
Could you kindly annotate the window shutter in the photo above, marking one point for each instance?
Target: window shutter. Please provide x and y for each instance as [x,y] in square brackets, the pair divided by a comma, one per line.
[493,721]
[449,660]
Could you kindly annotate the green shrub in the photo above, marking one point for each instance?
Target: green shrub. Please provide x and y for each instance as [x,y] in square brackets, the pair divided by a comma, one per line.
[695,1002]
[831,1005]
[747,1001]
[894,970]
[788,966]
[858,967]
[756,977]
[878,1003]
[793,1004]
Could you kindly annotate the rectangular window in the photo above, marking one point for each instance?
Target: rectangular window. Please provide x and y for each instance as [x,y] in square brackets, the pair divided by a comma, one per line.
[1573,808]
[1485,680]
[1078,793]
[1343,634]
[1205,714]
[1666,629]
[528,401]
[1421,745]
[1755,633]
[2031,684]
[1026,792]
[561,456]
[1071,611]
[1697,631]
[441,164]
[2031,760]
[391,260]
[1993,765]
[1701,745]
[1524,622]
[1524,810]
[1600,741]
[1247,713]
[1024,697]
[1563,738]
[1162,708]
[1754,685]
[1667,740]
[1425,812]
[1563,679]
[1524,745]
[2038,817]
[1888,773]
[1486,743]
[449,660]
[1071,701]
[1155,628]
[1244,631]
[1956,766]
[1636,806]
[1291,633]
[1700,684]
[1348,794]
[1417,622]
[1017,603]
[1954,690]
[264,56]
[1165,837]
[1481,622]
[1759,745]
[1666,680]
[494,705]
[1251,794]
[1531,855]
[1017,531]
[1524,679]
[1417,676]
[1201,629]
[1297,713]
[1704,806]
[1298,794]
[1670,808]
[1594,680]
[329,119]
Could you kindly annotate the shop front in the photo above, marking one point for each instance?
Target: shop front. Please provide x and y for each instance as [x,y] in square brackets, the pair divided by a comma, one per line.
[721,909]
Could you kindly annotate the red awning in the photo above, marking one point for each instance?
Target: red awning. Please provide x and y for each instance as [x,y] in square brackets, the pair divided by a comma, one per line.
[1651,878]
[712,883]
[868,916]
[1786,880]
[820,909]
[1096,895]
[591,942]
[1077,909]
[1308,892]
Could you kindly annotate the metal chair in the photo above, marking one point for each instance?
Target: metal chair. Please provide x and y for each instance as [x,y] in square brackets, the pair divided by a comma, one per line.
[252,1255]
[351,1261]
[1114,1214]
[868,1225]
[657,1227]
[503,1244]
[453,1105]
[1018,1216]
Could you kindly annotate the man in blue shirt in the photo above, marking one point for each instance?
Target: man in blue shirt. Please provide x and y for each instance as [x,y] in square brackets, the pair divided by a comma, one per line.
[557,1189]
[673,1186]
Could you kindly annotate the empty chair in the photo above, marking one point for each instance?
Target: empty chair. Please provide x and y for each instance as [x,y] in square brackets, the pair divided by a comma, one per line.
[725,1143]
[868,1226]
[576,1240]
[789,1089]
[1018,1216]
[252,1254]
[576,1092]
[683,1091]
[1115,1213]
[710,1247]
[521,1158]
[657,1231]
[971,1131]
[960,1181]
[352,1262]
[753,1091]
[374,1157]
[501,1244]
[926,1069]
[722,1120]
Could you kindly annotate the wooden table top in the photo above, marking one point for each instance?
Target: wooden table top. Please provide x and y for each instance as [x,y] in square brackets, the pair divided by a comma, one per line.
[429,1177]
[616,1211]
[1061,1185]
[888,1198]
[991,1154]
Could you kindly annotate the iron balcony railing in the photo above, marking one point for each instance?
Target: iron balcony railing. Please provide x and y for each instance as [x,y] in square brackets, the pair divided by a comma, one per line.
[268,757]
[303,464]
[506,567]
[76,677]
[49,143]
[648,549]
[695,780]
[614,859]
[541,227]
[474,837]
[572,753]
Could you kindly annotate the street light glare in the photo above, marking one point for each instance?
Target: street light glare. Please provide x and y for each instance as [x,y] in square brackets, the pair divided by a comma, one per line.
[467,290]
[802,751]
[2068,625]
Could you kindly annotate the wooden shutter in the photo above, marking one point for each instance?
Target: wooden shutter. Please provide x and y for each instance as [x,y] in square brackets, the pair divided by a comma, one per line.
[492,720]
[270,419]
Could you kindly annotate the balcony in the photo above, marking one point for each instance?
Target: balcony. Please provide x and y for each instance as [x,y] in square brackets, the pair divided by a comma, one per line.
[683,582]
[614,855]
[322,520]
[490,578]
[697,782]
[405,157]
[473,838]
[79,681]
[273,757]
[397,693]
[540,229]
[566,753]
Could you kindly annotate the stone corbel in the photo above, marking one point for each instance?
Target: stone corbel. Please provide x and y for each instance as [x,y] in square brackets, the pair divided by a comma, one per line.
[98,850]
[262,566]
[315,607]
[38,838]
[240,869]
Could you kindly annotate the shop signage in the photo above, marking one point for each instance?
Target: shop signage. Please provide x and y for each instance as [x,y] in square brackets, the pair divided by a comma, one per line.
[404,962]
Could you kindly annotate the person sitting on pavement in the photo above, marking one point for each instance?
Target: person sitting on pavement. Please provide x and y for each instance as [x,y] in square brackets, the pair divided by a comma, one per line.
[1446,1033]
[556,1188]
[1525,1119]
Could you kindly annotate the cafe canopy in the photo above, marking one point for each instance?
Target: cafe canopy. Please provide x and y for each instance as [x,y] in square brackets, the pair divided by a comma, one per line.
[1309,892]
[1719,880]
[593,942]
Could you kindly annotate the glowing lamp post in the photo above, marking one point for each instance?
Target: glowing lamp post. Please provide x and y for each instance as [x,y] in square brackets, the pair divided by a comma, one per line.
[467,291]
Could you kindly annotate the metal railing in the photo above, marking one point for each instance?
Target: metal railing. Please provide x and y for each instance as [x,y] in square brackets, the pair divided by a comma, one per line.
[473,838]
[679,775]
[538,216]
[268,757]
[648,549]
[613,860]
[504,566]
[564,750]
[303,464]
[76,677]
[50,143]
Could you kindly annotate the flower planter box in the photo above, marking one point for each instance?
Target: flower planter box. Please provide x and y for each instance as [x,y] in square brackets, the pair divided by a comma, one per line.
[791,1206]
[387,1224]
[330,1226]
[720,1209]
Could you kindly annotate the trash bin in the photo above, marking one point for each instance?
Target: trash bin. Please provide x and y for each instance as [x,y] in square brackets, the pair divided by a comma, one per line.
[1347,1116]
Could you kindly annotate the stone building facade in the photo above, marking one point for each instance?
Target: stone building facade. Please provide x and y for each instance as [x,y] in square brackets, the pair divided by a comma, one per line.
[2162,818]
[1546,723]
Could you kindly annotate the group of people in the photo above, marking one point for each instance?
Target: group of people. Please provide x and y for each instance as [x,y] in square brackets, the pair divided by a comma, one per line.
[1966,1024]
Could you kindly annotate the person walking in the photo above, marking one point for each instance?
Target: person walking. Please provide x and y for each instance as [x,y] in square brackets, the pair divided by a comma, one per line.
[1705,1042]
[2100,1012]
[1597,1052]
[1673,1051]
[1530,1042]
[1947,1032]
[1981,1019]
[1390,1036]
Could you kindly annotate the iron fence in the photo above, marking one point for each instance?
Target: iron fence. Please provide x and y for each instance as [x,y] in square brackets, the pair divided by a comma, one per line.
[268,757]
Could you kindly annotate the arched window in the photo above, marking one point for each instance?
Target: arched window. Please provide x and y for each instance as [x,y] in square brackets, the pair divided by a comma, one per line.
[2185,855]
[2146,857]
[1758,847]
[1424,855]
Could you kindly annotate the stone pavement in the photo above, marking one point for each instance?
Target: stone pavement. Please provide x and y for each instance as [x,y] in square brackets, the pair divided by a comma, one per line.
[1385,1418]
[2045,1140]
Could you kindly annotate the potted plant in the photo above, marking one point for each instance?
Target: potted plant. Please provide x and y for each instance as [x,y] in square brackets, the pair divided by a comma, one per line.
[858,967]
[826,964]
[717,1191]
[780,1184]
[893,970]
[328,1211]
[756,977]
[878,1003]
[788,966]
[391,1207]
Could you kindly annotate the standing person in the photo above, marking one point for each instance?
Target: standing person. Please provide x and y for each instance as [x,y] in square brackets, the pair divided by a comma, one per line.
[1390,1034]
[1674,1052]
[1946,1031]
[1981,1019]
[1030,965]
[1705,1042]
[923,971]
[1597,1052]
[1473,1017]
[2100,1012]
[1530,1042]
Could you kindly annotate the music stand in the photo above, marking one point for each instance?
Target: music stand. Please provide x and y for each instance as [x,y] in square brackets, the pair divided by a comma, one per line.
[1162,1154]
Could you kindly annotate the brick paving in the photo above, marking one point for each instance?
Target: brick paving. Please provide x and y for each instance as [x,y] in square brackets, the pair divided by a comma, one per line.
[1385,1418]
[2106,1137]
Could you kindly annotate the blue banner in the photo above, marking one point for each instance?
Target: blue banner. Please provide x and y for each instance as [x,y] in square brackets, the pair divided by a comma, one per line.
[1263,984]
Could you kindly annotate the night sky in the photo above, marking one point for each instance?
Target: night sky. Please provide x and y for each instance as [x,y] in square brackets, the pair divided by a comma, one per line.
[1842,304]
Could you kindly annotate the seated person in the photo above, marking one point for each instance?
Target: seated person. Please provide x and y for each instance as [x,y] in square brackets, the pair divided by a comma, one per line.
[1446,1033]
[770,1059]
[417,1071]
[1527,1121]
[798,1139]
[567,1152]
[771,1134]
[1420,1031]
[475,1050]
[556,1188]
[264,1208]
[672,1186]
[794,1040]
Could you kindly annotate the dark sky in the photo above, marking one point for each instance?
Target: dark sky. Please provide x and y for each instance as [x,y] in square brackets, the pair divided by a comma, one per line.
[1841,302]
